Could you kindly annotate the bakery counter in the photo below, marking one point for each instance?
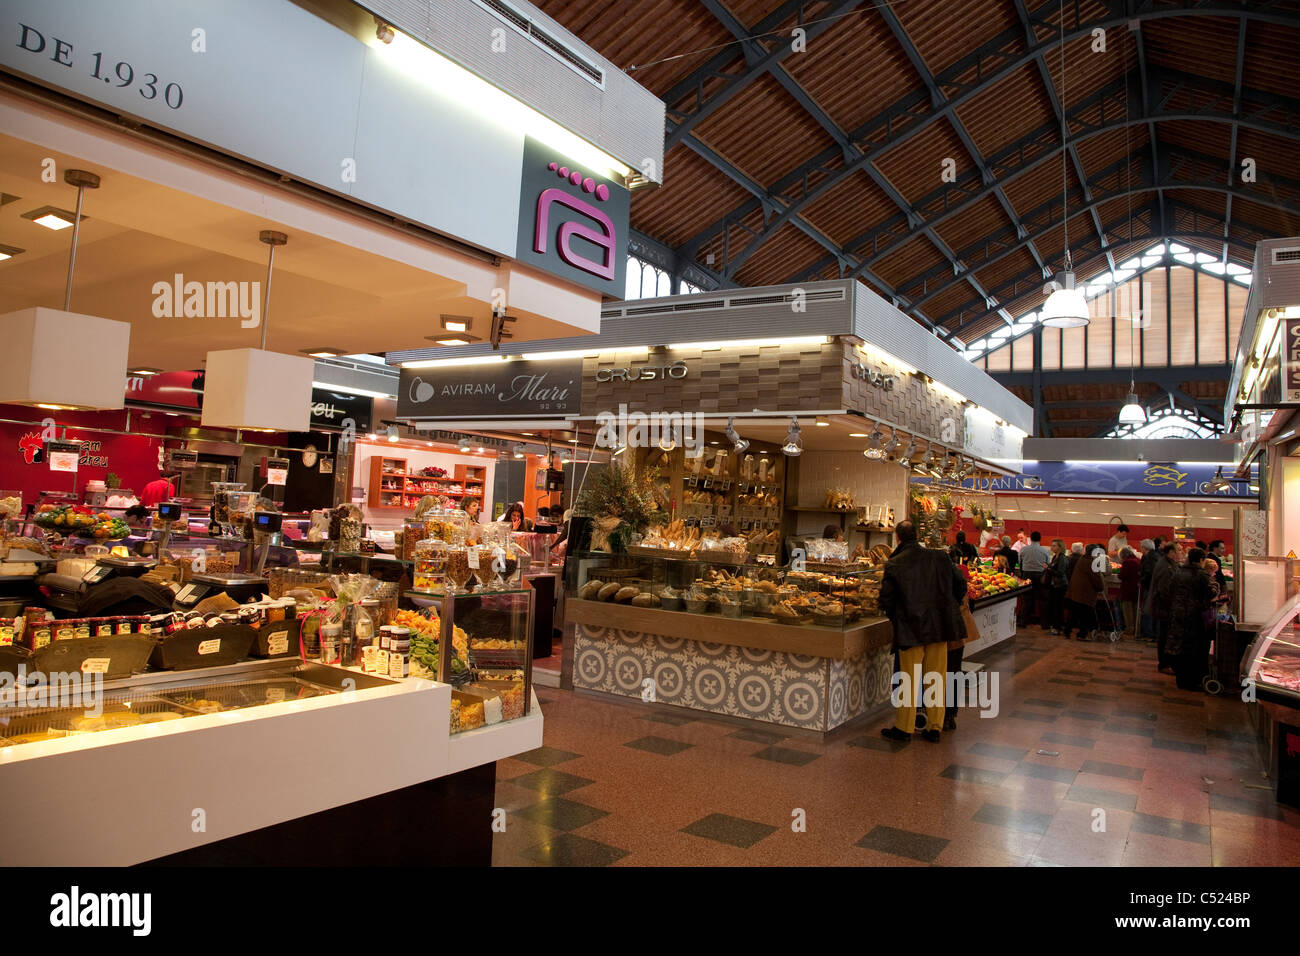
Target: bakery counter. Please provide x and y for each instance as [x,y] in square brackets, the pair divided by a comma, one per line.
[802,676]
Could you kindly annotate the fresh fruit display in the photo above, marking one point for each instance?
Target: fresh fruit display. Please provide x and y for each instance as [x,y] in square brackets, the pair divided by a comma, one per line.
[985,583]
[69,517]
[110,529]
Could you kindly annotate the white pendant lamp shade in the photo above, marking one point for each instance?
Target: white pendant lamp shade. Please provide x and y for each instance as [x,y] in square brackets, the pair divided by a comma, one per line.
[1066,308]
[37,365]
[1132,413]
[252,388]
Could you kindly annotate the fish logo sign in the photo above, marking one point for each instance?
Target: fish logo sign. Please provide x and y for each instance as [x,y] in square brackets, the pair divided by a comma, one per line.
[1160,476]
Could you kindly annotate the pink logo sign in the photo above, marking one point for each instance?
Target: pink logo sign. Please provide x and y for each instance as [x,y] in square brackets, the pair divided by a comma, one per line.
[604,237]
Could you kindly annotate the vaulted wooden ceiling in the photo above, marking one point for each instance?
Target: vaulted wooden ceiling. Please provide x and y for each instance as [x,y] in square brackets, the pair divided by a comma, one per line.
[789,161]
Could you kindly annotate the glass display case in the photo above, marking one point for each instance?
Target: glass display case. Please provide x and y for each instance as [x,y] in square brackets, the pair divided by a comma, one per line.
[719,586]
[1267,582]
[175,695]
[480,643]
[1272,662]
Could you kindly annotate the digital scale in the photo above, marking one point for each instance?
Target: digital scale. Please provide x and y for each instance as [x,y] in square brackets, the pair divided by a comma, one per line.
[169,512]
[111,566]
[240,586]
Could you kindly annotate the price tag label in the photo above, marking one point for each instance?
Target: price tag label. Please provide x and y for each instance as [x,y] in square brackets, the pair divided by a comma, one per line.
[278,643]
[95,665]
[275,695]
[708,521]
[64,460]
[210,647]
[277,476]
[473,559]
[726,484]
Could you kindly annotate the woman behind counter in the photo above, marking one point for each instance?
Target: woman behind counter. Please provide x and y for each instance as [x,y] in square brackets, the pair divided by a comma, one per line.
[514,516]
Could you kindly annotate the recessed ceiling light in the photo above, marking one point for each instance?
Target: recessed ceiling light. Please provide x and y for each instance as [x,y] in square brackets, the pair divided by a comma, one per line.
[51,217]
[143,370]
[53,408]
[323,352]
[456,338]
[858,435]
[8,252]
[457,323]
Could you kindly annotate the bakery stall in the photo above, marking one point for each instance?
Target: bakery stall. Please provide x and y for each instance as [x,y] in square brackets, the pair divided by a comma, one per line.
[701,630]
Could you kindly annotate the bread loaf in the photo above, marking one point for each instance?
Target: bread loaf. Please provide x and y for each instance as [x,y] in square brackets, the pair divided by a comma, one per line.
[623,595]
[589,590]
[608,591]
[645,599]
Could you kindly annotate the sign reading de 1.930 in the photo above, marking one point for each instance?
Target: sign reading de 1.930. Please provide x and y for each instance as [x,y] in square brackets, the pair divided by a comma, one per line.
[100,65]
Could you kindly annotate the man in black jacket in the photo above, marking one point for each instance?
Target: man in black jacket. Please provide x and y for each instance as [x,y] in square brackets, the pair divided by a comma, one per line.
[1158,601]
[919,594]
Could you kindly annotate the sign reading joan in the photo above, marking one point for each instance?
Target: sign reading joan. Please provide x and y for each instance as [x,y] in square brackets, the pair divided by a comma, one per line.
[1291,365]
[572,222]
[516,389]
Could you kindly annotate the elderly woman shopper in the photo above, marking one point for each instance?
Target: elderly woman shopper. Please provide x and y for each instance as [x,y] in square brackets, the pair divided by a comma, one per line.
[1085,588]
[1191,600]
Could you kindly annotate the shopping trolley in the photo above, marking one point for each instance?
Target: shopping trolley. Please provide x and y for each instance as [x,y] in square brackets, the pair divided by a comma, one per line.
[1225,659]
[1107,626]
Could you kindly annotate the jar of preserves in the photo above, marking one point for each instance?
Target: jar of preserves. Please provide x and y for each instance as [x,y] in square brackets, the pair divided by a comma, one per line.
[430,565]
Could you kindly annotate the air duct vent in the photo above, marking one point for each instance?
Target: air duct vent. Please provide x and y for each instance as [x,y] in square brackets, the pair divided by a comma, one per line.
[1286,254]
[547,41]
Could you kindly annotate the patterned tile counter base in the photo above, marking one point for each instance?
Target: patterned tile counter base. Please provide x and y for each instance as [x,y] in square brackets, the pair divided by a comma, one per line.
[812,693]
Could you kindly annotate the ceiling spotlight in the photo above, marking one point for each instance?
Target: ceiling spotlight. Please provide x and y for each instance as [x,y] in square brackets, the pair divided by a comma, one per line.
[463,447]
[519,451]
[1033,483]
[793,439]
[892,446]
[8,252]
[1218,482]
[392,433]
[323,352]
[669,438]
[905,459]
[51,217]
[822,424]
[737,443]
[875,445]
[383,31]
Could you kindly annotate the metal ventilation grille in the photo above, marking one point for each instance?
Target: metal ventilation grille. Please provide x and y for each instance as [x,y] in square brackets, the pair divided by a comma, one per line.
[1286,254]
[544,39]
[696,306]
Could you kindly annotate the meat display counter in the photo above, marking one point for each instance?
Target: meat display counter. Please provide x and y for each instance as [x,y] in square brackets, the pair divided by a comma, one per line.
[1271,679]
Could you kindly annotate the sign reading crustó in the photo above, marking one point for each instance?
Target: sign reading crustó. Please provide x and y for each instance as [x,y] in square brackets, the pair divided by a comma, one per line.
[516,389]
[1291,362]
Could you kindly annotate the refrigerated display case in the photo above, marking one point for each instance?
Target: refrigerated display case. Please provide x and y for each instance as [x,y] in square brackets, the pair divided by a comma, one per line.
[1271,668]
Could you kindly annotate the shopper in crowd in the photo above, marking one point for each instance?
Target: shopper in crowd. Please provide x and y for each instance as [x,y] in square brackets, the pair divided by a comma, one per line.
[1034,559]
[1057,582]
[1216,551]
[833,532]
[1202,546]
[1130,581]
[1008,554]
[137,518]
[471,507]
[1083,593]
[1157,602]
[1191,599]
[515,517]
[920,593]
[962,550]
[1150,555]
[1118,541]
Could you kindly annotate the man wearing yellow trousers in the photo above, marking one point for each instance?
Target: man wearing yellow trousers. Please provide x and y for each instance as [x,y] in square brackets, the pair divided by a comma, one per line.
[920,594]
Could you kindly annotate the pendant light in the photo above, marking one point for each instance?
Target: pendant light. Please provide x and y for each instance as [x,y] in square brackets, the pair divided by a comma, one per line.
[793,440]
[1066,307]
[257,388]
[738,444]
[1132,413]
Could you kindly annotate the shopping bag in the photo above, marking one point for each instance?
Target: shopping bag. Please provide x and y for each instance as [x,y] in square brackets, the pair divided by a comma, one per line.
[968,619]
